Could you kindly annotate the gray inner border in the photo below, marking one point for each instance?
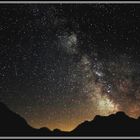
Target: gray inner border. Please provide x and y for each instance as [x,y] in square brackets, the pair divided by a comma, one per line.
[70,2]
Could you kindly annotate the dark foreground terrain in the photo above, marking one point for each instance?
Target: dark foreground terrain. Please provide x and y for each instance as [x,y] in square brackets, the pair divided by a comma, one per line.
[119,124]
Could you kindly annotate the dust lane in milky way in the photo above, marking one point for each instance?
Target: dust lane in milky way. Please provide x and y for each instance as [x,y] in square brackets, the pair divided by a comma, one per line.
[63,64]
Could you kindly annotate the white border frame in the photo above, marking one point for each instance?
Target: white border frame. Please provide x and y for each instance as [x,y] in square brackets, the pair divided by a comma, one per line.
[55,137]
[69,2]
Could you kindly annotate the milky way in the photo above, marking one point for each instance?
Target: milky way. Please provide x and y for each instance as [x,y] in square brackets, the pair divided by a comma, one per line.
[63,64]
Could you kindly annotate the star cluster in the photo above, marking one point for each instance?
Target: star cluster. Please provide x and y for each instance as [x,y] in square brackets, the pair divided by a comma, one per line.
[62,64]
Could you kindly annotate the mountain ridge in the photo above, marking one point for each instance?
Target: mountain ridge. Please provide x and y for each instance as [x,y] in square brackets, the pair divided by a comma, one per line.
[118,124]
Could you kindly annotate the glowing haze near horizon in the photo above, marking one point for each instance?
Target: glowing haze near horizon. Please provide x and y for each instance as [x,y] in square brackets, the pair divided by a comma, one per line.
[63,64]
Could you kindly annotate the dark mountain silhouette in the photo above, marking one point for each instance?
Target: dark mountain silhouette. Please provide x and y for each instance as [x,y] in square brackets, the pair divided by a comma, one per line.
[11,124]
[119,124]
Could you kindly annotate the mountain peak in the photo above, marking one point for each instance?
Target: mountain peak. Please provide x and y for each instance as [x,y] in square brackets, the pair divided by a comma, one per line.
[118,124]
[121,113]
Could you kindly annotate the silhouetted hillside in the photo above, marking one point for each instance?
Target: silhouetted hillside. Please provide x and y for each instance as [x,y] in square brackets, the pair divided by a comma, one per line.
[11,124]
[119,124]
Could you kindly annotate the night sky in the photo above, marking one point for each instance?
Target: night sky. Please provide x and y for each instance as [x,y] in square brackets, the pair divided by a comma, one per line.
[62,64]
